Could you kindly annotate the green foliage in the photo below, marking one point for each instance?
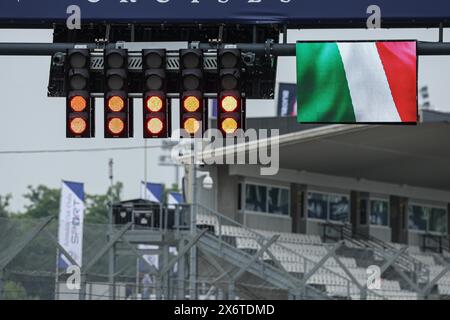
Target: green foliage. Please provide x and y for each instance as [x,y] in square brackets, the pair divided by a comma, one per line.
[44,202]
[97,206]
[174,188]
[4,204]
[14,291]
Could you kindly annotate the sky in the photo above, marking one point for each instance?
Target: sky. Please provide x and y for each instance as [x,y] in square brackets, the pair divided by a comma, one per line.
[32,121]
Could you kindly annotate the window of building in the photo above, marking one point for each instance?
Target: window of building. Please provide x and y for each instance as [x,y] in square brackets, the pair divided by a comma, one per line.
[418,217]
[425,218]
[339,208]
[255,198]
[325,206]
[267,199]
[379,213]
[278,201]
[438,220]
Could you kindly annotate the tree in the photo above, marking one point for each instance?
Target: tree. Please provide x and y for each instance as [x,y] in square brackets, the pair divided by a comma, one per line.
[97,206]
[173,188]
[44,202]
[4,204]
[14,291]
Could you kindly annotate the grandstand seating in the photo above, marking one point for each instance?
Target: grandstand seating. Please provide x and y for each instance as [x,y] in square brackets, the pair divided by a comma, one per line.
[298,253]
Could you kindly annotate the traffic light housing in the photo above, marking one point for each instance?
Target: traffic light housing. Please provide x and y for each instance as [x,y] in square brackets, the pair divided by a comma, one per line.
[156,106]
[80,108]
[231,103]
[118,120]
[193,107]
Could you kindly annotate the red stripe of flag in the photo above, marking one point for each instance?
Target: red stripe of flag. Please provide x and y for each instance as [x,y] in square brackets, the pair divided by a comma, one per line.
[400,65]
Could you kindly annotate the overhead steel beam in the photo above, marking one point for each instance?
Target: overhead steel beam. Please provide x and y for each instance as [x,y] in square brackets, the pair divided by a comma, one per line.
[268,48]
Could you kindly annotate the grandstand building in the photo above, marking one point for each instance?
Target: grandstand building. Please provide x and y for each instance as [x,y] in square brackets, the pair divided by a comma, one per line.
[382,189]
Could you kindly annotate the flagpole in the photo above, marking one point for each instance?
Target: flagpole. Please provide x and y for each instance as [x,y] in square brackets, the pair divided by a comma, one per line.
[145,166]
[57,257]
[57,274]
[111,254]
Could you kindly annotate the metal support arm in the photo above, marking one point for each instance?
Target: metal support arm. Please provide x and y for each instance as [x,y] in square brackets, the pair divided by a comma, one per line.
[268,48]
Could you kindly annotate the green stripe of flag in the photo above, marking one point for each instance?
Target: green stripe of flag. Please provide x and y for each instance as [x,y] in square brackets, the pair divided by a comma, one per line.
[322,90]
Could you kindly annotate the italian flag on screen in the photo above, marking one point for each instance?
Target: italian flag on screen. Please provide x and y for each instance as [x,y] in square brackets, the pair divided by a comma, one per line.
[351,82]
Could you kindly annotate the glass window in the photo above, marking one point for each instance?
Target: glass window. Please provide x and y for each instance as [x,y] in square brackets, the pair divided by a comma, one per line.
[418,217]
[255,198]
[266,199]
[438,220]
[339,208]
[278,201]
[317,205]
[379,212]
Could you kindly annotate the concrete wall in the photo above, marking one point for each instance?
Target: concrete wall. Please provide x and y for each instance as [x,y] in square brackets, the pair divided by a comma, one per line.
[267,222]
[94,291]
[227,192]
[381,232]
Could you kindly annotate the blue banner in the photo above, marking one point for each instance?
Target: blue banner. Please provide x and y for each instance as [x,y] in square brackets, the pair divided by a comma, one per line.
[153,192]
[71,219]
[287,100]
[175,198]
[237,11]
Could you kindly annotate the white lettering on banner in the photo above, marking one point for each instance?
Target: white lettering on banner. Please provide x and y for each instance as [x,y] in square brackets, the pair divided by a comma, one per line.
[285,102]
[70,234]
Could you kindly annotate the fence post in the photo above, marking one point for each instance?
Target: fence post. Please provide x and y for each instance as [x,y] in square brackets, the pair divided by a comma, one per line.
[231,291]
[220,233]
[83,284]
[1,285]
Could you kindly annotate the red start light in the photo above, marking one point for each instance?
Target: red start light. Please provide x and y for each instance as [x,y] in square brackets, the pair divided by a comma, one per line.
[116,103]
[116,125]
[78,103]
[191,104]
[154,104]
[229,103]
[78,125]
[155,126]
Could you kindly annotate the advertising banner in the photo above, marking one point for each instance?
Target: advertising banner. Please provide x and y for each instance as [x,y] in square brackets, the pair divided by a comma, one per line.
[71,218]
[232,11]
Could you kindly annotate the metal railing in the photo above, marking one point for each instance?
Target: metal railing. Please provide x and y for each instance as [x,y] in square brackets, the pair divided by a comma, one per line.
[341,282]
[403,261]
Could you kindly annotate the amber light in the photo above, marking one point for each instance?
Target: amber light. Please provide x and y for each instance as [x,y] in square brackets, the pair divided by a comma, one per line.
[78,103]
[116,125]
[78,125]
[155,126]
[229,103]
[154,104]
[191,104]
[116,103]
[229,125]
[191,125]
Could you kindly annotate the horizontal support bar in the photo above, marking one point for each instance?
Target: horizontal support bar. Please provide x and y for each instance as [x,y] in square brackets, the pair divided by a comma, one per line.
[274,49]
